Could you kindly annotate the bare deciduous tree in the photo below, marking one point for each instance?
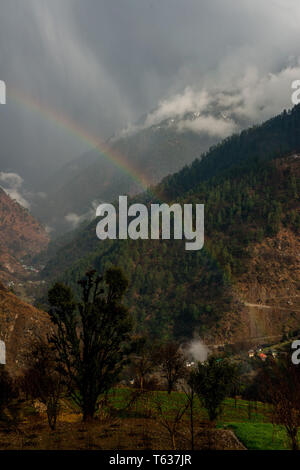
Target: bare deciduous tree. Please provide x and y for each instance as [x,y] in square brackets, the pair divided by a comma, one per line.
[142,361]
[172,364]
[282,389]
[190,393]
[43,381]
[170,419]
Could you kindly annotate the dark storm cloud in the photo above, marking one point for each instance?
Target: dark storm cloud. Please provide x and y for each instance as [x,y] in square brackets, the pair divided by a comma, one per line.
[104,63]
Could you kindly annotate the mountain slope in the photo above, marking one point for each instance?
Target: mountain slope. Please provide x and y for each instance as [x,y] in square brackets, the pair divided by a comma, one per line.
[20,325]
[270,290]
[277,137]
[235,156]
[21,236]
[251,199]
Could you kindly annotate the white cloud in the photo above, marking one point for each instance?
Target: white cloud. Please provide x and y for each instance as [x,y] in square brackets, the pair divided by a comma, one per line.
[222,108]
[16,196]
[49,229]
[76,219]
[12,185]
[214,127]
[263,96]
[12,179]
[178,105]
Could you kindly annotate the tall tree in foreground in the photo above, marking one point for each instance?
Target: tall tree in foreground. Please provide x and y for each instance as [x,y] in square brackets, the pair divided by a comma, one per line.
[91,335]
[212,380]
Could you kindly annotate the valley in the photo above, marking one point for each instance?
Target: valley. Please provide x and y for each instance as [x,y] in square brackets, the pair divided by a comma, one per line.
[149,230]
[244,283]
[237,298]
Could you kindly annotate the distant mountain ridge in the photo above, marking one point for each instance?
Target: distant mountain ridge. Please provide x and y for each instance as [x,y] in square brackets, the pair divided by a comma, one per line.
[154,152]
[159,151]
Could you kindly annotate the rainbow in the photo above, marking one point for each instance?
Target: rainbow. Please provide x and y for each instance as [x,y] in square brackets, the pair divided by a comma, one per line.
[79,132]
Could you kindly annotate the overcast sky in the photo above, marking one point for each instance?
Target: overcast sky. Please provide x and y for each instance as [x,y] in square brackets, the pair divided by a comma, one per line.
[104,63]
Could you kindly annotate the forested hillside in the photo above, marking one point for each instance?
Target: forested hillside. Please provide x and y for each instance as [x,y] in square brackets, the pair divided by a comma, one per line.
[277,137]
[250,187]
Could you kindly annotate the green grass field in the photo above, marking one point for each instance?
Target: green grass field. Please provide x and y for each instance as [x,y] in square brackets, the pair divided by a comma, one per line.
[260,436]
[252,426]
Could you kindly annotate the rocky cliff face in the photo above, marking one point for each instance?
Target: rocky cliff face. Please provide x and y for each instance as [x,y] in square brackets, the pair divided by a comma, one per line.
[21,237]
[20,325]
[267,298]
